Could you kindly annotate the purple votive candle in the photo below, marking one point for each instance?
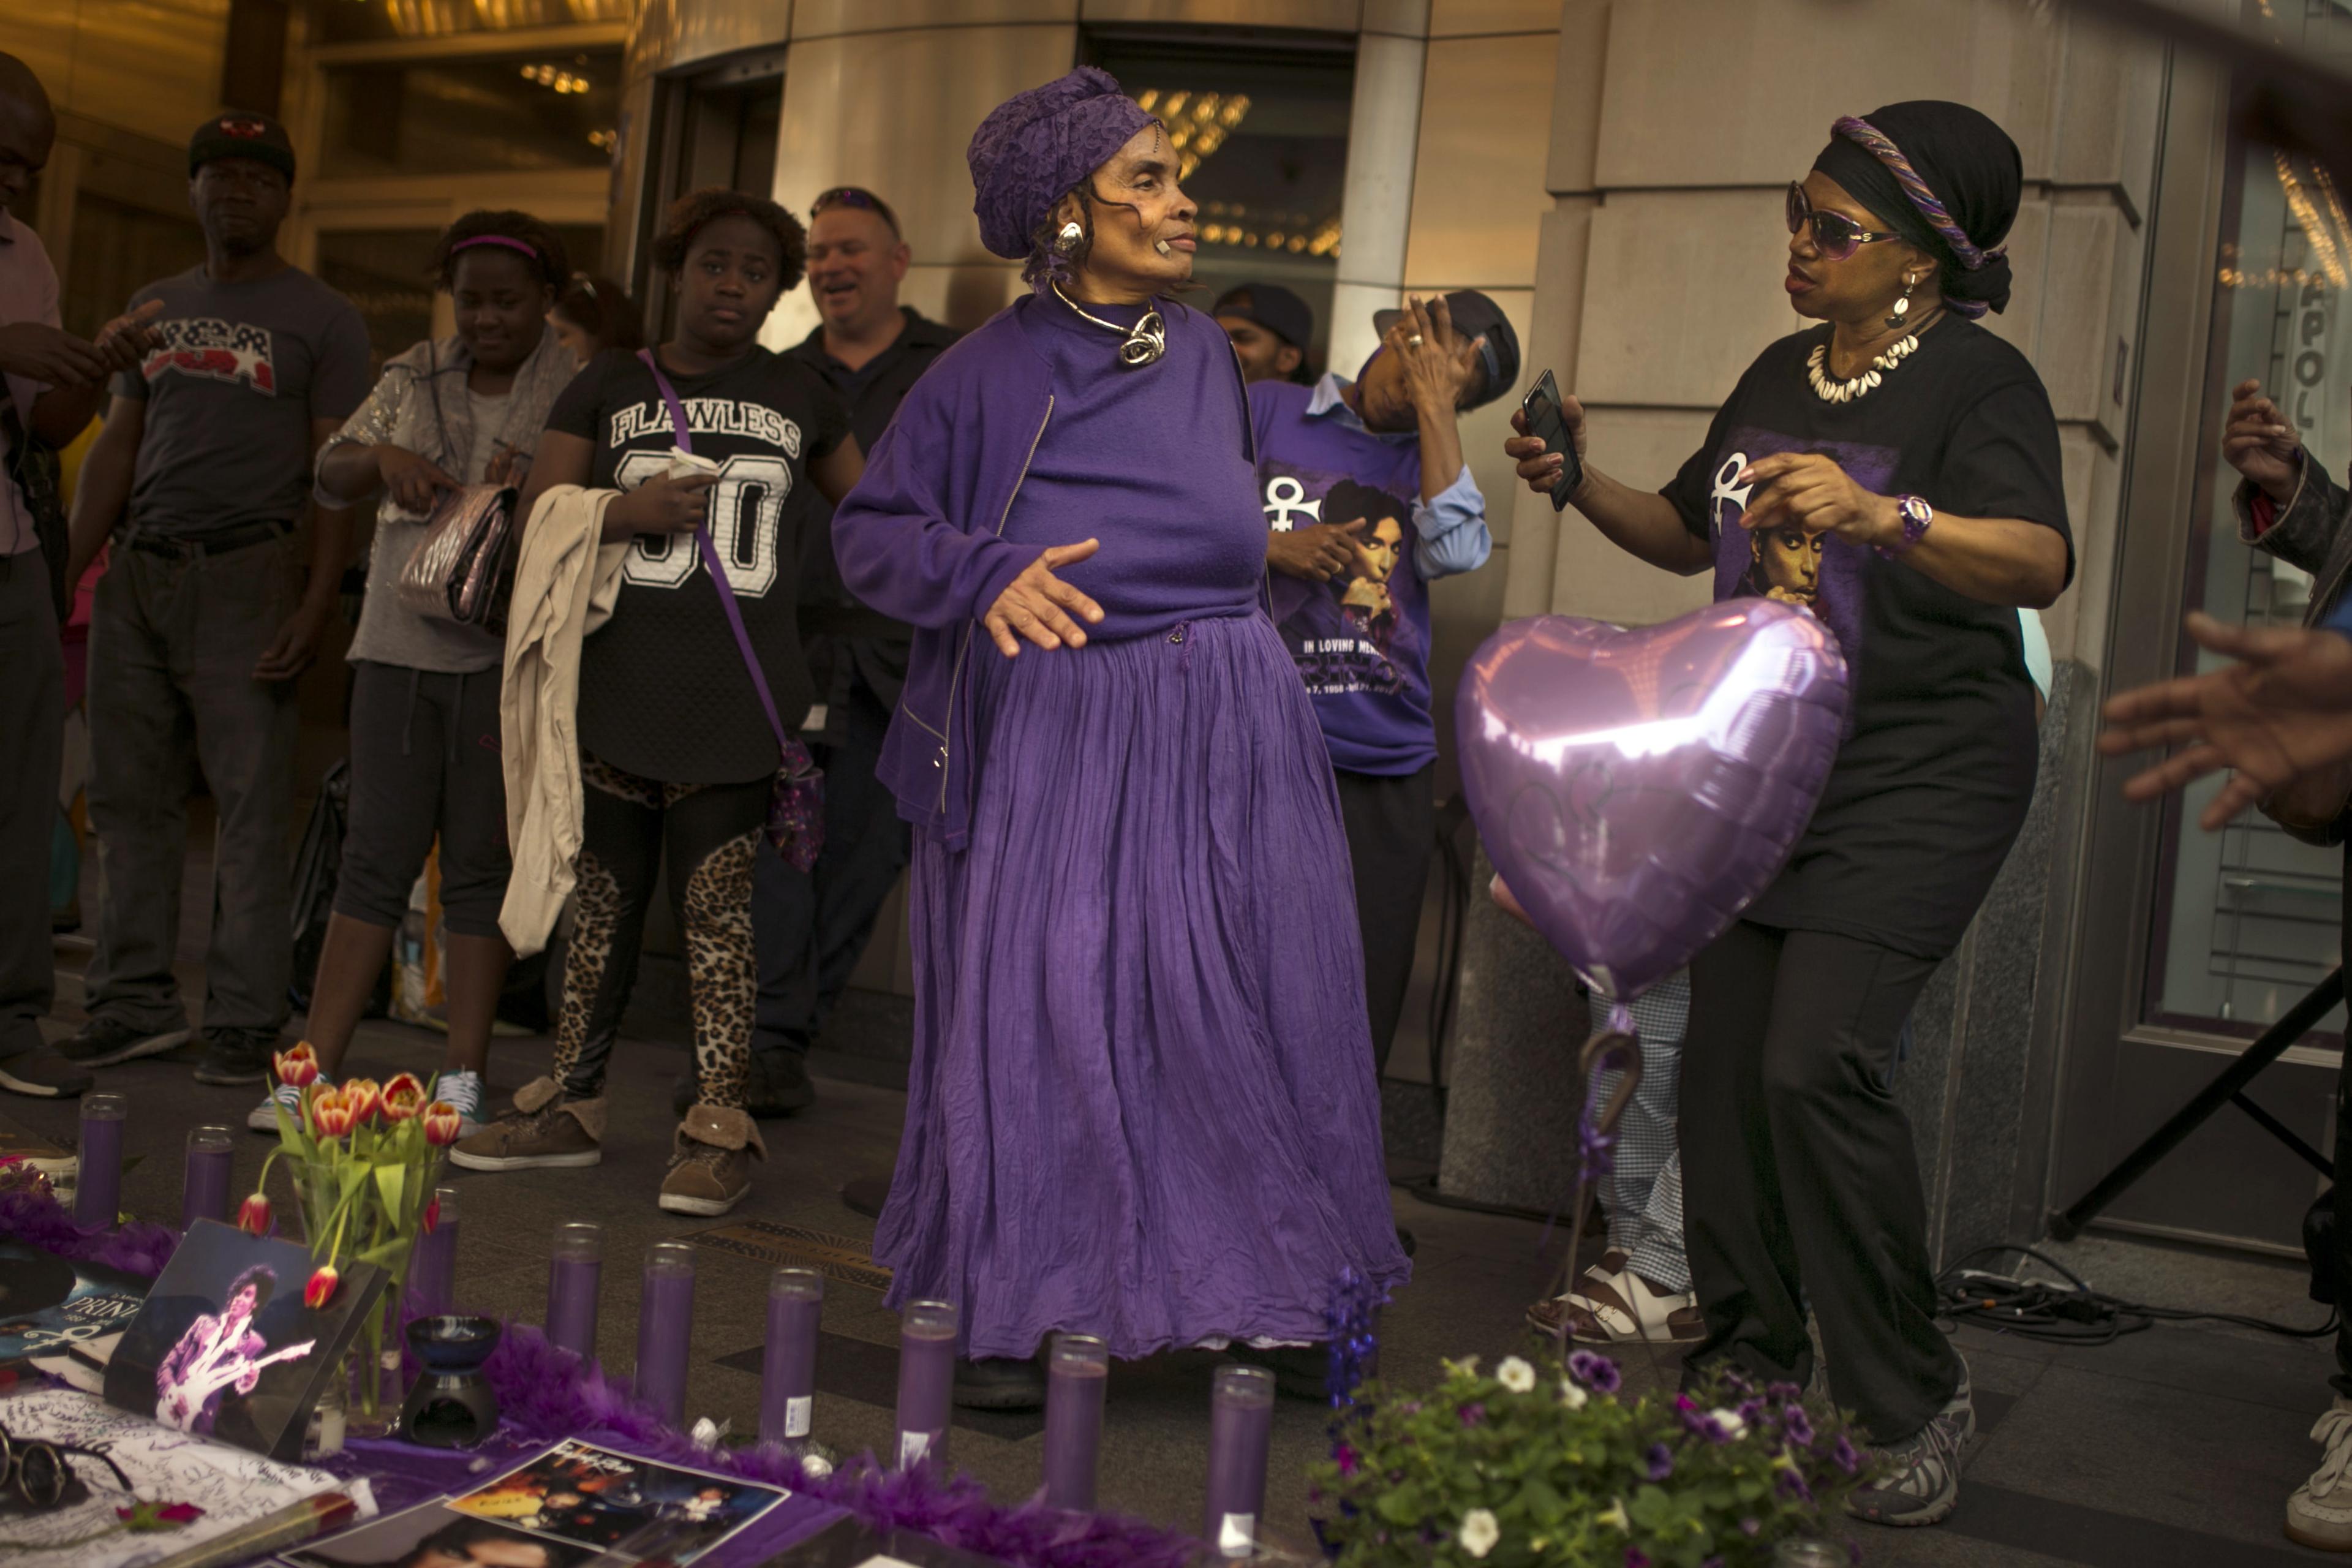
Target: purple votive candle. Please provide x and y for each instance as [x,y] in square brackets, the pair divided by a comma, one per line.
[787,1366]
[98,1183]
[926,1347]
[1078,1375]
[665,1329]
[575,1274]
[1241,1422]
[433,1267]
[203,1180]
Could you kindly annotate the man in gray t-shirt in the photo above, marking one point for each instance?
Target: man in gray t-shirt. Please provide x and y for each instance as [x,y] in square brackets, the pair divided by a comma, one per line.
[204,618]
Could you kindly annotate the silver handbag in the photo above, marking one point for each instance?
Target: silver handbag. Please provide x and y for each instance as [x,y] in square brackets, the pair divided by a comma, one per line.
[463,569]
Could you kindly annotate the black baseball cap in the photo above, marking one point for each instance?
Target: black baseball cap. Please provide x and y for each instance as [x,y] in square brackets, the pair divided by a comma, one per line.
[1272,307]
[1476,316]
[242,133]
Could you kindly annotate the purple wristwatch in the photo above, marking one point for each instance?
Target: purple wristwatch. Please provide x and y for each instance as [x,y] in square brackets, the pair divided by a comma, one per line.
[1917,517]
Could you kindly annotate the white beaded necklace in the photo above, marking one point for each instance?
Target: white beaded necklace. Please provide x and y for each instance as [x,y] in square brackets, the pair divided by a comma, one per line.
[1829,390]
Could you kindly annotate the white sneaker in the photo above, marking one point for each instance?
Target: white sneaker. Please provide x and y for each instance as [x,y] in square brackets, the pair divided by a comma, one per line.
[2320,1512]
[263,1118]
[463,1091]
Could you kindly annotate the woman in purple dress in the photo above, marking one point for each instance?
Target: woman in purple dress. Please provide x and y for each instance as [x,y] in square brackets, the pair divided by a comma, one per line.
[1142,1103]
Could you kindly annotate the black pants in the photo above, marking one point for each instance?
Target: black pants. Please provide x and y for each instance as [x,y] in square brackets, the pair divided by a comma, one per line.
[424,765]
[1392,824]
[709,832]
[1799,1180]
[33,717]
[812,930]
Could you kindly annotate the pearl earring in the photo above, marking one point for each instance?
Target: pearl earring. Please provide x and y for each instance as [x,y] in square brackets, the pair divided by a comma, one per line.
[1067,240]
[1903,304]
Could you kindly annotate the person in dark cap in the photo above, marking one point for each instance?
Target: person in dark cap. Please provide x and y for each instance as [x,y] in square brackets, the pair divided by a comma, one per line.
[1270,327]
[205,616]
[1921,450]
[1142,1103]
[1367,502]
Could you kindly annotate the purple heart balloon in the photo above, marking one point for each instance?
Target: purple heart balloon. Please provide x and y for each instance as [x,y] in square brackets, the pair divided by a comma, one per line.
[1637,789]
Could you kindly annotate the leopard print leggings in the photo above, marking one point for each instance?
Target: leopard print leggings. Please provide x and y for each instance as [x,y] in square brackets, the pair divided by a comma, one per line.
[710,832]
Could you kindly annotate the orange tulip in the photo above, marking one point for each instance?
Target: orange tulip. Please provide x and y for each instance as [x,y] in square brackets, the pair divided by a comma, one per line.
[366,1096]
[253,1214]
[322,1287]
[299,1066]
[442,1123]
[331,1114]
[404,1097]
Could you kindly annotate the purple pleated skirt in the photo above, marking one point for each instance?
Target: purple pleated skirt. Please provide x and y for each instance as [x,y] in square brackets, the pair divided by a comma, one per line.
[1143,1102]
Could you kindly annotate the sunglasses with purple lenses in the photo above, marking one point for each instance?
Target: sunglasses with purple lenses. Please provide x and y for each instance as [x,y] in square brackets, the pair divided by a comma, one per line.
[854,196]
[1835,235]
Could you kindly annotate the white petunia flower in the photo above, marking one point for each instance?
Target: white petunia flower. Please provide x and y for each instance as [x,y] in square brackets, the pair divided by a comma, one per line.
[1572,1394]
[1735,1426]
[1479,1532]
[1515,1374]
[1614,1517]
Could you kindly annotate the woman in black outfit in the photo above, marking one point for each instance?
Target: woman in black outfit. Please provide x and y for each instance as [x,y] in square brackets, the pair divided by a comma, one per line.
[1922,449]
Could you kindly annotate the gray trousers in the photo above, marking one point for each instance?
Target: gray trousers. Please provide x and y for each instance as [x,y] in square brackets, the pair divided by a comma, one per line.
[33,717]
[172,642]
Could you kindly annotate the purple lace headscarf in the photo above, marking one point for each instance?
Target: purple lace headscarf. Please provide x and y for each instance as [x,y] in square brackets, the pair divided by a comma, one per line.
[1037,146]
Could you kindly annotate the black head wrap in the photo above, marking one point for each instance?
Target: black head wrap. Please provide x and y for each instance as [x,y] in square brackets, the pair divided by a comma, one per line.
[1943,176]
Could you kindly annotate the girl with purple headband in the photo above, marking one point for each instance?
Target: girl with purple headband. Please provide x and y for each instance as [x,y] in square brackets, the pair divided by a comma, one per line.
[446,413]
[1141,1104]
[1919,452]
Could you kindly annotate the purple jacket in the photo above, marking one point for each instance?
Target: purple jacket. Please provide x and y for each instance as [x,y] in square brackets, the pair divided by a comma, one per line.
[918,540]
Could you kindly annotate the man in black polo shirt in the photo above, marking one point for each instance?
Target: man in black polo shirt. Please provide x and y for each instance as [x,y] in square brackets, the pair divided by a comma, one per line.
[812,931]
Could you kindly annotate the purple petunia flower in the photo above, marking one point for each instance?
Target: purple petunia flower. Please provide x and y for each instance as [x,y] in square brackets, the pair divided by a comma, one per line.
[1596,1372]
[1751,1527]
[1473,1414]
[1347,1458]
[1793,1486]
[1685,1401]
[1844,1457]
[1796,1425]
[1783,1390]
[1636,1557]
[1662,1462]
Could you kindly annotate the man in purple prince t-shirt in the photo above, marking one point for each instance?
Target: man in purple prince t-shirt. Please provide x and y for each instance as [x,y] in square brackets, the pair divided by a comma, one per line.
[1367,501]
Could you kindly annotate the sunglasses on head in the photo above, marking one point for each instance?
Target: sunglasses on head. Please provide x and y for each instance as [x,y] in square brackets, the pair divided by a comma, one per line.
[854,196]
[1835,235]
[37,1472]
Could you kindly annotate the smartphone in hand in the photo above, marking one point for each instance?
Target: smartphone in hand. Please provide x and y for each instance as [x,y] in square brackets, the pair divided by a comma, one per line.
[1541,407]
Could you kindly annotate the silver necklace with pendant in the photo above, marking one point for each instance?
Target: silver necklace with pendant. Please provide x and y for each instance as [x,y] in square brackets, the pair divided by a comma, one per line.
[1146,341]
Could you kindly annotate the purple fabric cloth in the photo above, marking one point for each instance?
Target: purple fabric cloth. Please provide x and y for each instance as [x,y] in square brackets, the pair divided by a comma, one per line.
[1037,146]
[1142,1103]
[1150,460]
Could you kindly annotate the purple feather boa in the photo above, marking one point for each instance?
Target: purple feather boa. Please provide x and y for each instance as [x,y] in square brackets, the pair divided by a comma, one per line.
[548,1393]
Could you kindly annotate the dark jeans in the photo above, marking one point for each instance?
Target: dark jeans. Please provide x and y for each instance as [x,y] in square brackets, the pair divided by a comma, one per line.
[812,929]
[172,643]
[708,832]
[424,765]
[1391,825]
[1799,1179]
[33,717]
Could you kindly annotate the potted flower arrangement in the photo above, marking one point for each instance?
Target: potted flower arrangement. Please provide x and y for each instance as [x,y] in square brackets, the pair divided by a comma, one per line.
[1545,1465]
[363,1158]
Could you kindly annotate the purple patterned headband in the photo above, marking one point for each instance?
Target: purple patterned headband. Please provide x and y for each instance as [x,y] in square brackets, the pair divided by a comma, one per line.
[1964,249]
[527,250]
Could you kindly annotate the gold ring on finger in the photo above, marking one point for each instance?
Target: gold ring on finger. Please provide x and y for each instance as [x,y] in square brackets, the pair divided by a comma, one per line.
[1413,340]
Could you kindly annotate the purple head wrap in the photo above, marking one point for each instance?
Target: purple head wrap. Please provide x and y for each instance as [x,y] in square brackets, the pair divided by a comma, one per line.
[1037,146]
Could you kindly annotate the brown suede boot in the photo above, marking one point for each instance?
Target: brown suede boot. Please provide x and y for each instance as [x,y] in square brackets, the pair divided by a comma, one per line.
[711,1169]
[542,1130]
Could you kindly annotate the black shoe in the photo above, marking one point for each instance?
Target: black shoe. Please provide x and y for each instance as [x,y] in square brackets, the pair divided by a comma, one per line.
[999,1385]
[40,1072]
[103,1042]
[865,1196]
[237,1057]
[1300,1371]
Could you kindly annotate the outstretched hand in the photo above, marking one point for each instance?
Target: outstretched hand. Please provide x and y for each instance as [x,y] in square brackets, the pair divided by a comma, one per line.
[2282,712]
[1039,605]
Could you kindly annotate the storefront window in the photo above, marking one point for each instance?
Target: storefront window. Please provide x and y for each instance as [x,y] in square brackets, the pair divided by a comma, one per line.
[552,111]
[1262,136]
[2249,919]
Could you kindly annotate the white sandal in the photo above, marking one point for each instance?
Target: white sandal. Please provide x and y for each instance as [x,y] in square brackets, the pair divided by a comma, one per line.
[1630,1313]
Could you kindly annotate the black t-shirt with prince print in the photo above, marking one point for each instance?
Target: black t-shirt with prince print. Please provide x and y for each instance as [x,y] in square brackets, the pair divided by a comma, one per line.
[662,691]
[1933,781]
